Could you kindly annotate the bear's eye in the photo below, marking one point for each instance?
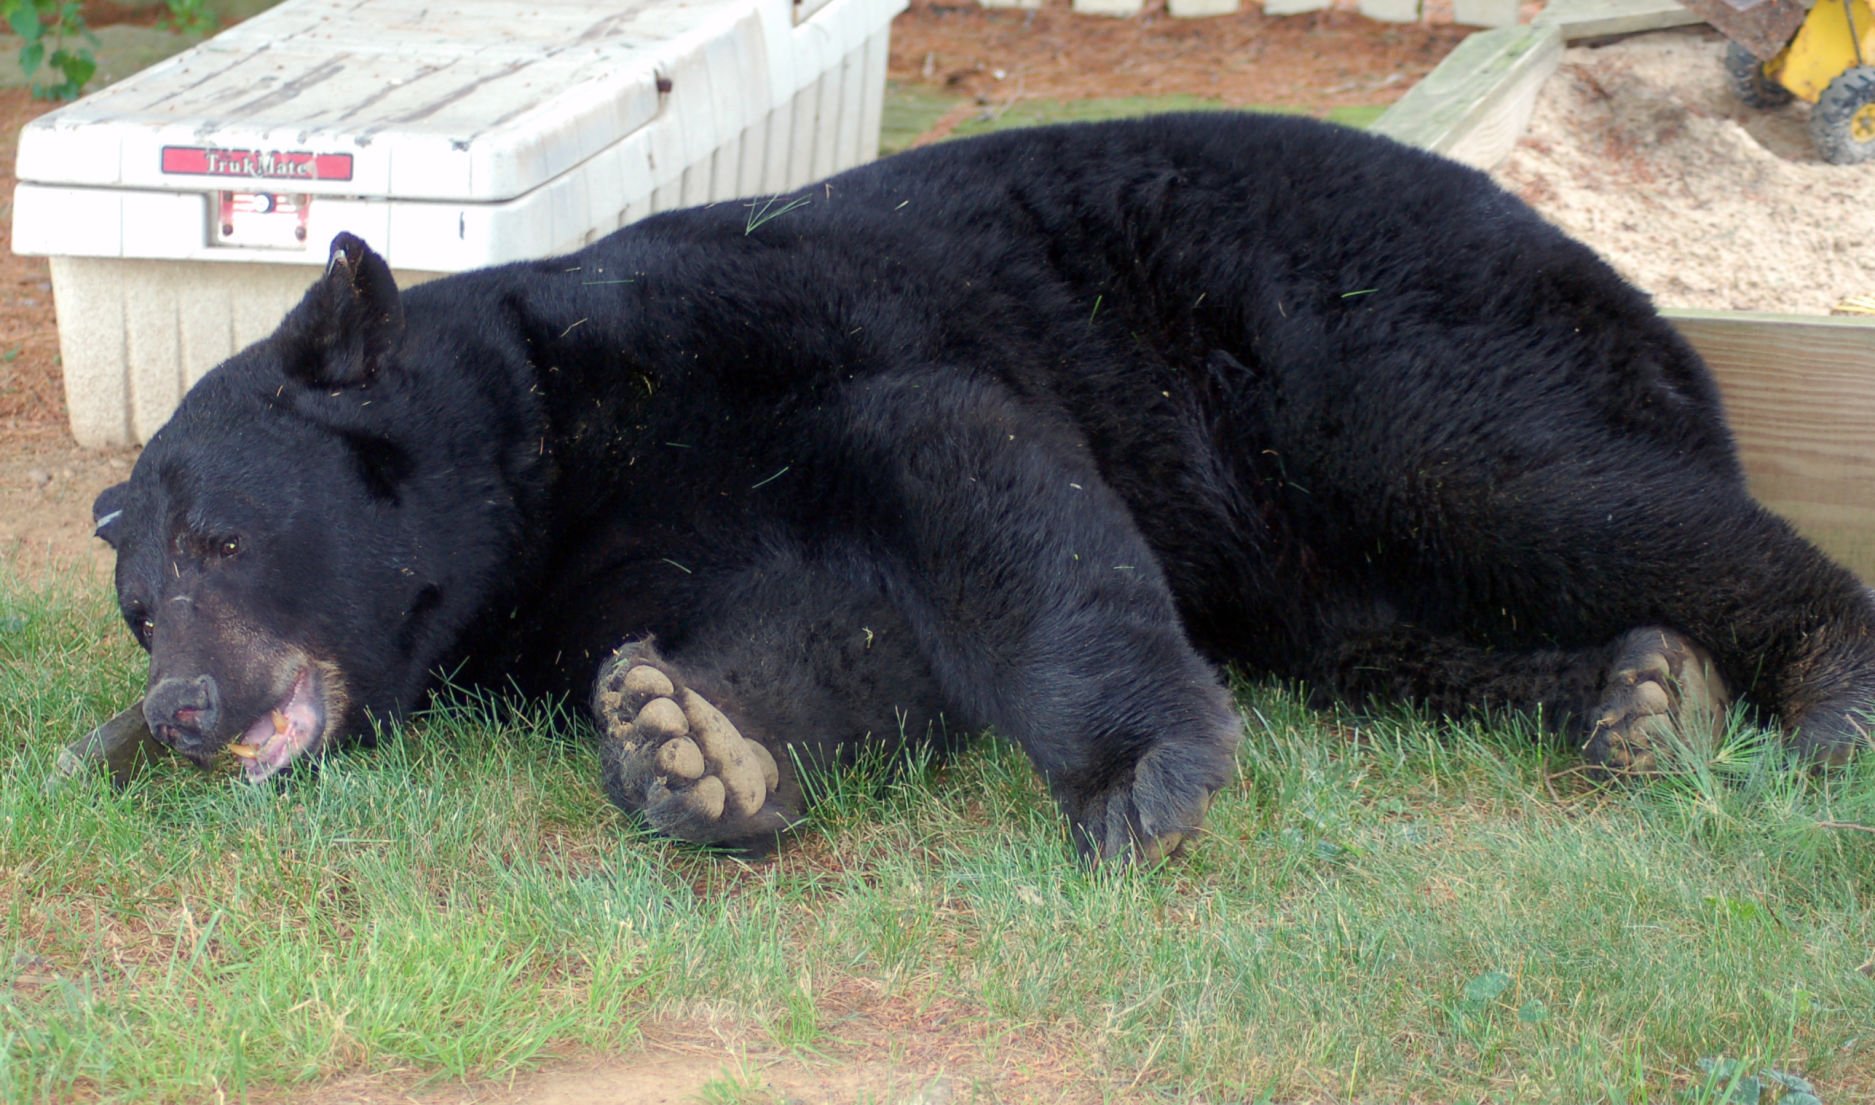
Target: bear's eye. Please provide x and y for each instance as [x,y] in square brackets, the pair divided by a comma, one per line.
[227,547]
[142,624]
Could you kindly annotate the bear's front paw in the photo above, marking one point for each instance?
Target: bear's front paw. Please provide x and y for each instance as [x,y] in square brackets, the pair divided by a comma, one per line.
[1151,816]
[1661,693]
[674,758]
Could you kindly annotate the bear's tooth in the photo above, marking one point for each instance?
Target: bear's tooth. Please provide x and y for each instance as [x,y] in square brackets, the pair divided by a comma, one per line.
[244,751]
[279,723]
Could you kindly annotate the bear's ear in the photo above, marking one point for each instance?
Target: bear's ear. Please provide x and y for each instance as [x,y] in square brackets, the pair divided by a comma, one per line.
[343,332]
[107,513]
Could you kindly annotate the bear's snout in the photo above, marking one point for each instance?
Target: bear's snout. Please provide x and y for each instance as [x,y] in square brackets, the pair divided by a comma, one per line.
[183,712]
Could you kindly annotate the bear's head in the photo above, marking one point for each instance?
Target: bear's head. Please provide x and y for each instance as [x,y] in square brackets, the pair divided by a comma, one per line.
[282,550]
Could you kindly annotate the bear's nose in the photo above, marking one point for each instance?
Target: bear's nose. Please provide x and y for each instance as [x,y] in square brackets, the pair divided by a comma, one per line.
[182,712]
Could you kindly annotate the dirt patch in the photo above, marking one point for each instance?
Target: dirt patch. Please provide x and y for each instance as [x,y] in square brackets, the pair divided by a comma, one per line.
[1640,149]
[46,486]
[658,1076]
[883,1049]
[46,481]
[1312,62]
[30,393]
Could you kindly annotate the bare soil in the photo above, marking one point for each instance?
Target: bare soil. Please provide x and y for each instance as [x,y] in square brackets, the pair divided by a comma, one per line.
[1331,58]
[931,1055]
[46,482]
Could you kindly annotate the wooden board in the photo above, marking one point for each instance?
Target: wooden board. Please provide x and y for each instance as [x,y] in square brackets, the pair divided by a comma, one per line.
[1293,7]
[1799,391]
[1199,9]
[1390,11]
[1486,13]
[1591,19]
[1474,106]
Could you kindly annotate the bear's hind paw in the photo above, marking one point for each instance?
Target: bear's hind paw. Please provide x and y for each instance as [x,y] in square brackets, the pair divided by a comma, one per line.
[1662,694]
[673,757]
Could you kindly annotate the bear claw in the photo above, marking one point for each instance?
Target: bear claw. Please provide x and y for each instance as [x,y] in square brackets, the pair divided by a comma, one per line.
[672,756]
[1151,820]
[1662,693]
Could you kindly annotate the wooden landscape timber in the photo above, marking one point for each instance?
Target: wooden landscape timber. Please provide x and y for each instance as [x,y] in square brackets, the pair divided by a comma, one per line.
[1594,20]
[1475,105]
[1799,392]
[1799,389]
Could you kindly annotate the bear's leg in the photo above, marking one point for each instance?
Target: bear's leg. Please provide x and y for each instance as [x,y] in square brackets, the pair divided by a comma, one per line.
[1619,703]
[1043,611]
[1629,536]
[1786,628]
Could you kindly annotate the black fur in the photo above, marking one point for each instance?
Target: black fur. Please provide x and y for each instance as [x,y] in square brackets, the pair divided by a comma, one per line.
[1029,431]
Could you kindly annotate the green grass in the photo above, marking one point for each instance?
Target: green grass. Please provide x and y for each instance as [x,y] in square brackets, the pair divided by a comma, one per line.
[1385,910]
[911,110]
[1032,113]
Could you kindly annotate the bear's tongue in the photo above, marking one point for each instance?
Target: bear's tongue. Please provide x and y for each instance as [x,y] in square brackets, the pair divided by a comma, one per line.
[294,724]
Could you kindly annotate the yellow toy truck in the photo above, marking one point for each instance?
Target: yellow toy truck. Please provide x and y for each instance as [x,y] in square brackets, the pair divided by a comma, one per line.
[1822,53]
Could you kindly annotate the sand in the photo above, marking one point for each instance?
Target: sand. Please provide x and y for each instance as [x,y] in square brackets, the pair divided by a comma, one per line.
[1639,149]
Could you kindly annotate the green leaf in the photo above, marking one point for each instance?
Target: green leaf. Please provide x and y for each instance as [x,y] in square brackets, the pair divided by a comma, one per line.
[77,65]
[1738,909]
[1322,849]
[1792,1082]
[24,19]
[1727,1080]
[1533,1012]
[31,55]
[1486,988]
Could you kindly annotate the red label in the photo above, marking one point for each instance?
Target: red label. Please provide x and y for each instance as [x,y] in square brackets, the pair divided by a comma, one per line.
[274,165]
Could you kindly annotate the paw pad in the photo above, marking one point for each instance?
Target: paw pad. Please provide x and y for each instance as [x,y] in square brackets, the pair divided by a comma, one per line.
[1662,694]
[678,759]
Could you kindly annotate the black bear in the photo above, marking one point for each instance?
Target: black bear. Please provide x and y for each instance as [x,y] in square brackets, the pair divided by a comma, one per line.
[1033,432]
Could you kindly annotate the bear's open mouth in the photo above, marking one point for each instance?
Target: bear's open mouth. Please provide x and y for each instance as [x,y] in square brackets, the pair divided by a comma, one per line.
[295,726]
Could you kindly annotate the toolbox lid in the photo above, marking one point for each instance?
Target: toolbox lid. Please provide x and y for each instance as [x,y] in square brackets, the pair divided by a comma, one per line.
[470,100]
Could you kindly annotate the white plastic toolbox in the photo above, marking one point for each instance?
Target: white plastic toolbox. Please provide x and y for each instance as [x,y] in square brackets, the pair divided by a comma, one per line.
[187,207]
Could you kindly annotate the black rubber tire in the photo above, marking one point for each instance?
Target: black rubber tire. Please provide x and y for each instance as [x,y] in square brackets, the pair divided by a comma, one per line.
[1745,73]
[1842,124]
